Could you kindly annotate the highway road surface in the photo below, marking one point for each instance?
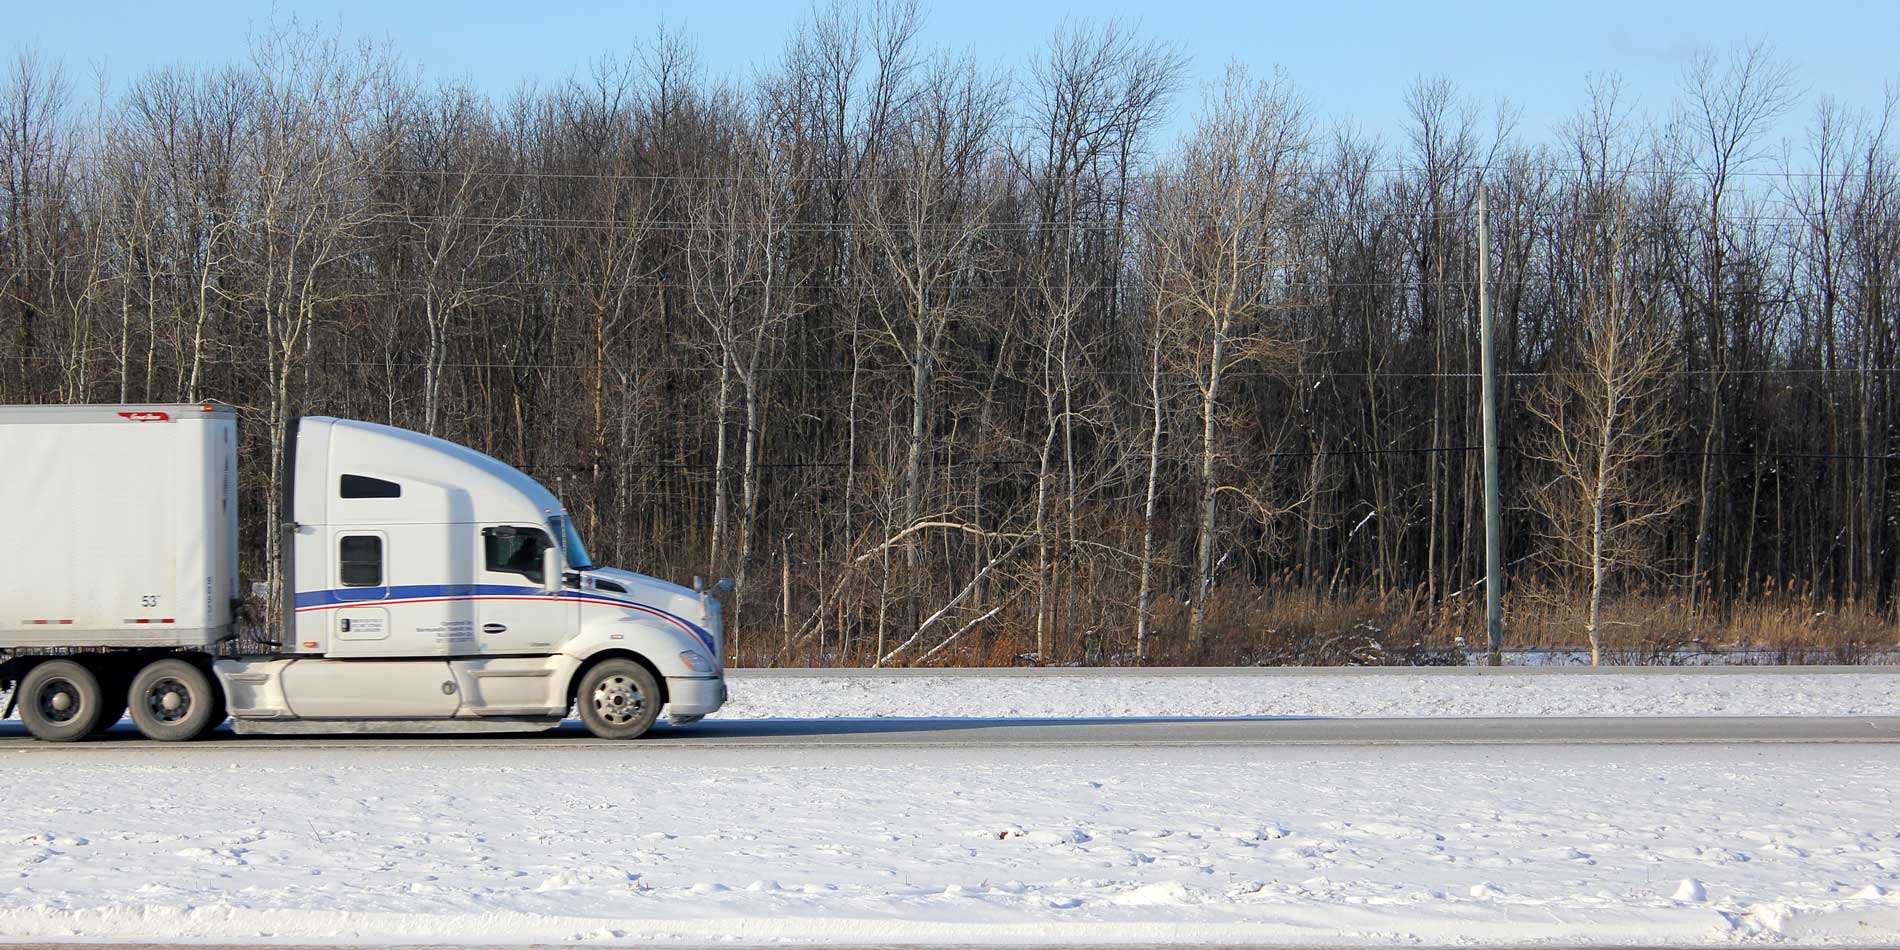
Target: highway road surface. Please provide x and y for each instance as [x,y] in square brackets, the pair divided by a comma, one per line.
[1104,733]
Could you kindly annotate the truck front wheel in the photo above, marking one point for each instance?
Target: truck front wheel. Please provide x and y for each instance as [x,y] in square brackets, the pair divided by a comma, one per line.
[618,699]
[172,701]
[61,701]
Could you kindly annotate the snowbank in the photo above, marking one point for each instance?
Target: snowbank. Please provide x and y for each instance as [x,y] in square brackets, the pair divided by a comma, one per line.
[1110,694]
[1580,845]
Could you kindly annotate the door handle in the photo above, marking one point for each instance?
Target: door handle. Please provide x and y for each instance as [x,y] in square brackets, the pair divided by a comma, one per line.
[494,627]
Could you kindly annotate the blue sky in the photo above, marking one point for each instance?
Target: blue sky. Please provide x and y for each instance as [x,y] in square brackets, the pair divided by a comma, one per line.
[1352,60]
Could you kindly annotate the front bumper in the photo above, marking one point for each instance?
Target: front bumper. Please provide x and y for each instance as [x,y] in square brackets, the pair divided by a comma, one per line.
[694,695]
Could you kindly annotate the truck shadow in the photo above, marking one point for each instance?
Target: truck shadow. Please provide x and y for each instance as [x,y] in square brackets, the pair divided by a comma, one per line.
[710,729]
[767,728]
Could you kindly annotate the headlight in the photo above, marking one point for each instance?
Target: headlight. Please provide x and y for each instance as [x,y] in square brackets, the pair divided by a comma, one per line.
[695,662]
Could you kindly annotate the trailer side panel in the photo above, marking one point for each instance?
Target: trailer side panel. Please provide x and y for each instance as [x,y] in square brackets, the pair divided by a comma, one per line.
[123,526]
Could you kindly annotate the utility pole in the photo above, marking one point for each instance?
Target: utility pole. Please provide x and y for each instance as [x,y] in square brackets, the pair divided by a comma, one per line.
[1493,520]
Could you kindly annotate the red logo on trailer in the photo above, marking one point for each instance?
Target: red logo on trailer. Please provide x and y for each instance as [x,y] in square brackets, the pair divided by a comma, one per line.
[146,416]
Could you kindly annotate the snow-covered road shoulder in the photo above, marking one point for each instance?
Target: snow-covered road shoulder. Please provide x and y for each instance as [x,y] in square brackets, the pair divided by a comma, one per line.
[1578,846]
[1371,693]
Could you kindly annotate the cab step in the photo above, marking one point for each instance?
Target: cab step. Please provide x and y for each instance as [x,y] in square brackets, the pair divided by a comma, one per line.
[386,727]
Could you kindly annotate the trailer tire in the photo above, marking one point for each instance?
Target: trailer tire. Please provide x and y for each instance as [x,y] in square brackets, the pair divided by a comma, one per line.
[113,710]
[172,701]
[113,680]
[618,699]
[61,701]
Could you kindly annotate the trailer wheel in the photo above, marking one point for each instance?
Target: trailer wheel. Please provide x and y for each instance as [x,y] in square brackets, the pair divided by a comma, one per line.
[112,709]
[113,680]
[61,701]
[618,699]
[172,701]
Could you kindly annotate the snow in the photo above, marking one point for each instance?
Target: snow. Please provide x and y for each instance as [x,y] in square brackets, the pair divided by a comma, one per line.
[371,843]
[1690,890]
[1114,694]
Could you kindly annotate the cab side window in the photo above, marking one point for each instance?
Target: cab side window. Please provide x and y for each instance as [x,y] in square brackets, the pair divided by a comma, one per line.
[363,486]
[360,560]
[509,550]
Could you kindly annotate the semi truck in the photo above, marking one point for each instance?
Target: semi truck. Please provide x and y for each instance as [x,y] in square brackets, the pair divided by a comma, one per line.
[424,587]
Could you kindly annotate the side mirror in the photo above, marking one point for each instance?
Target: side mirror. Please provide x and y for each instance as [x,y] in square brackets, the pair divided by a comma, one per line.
[551,570]
[724,584]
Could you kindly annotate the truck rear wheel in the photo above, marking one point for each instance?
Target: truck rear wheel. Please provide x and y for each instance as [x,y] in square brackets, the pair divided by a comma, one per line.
[61,701]
[172,701]
[618,699]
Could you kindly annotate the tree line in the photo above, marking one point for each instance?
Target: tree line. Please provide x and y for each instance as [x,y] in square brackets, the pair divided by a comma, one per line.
[1063,362]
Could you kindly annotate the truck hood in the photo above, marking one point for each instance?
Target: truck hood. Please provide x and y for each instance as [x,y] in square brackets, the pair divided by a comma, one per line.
[683,603]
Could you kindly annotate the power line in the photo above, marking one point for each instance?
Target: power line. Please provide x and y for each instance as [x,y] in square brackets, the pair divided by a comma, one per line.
[1458,174]
[476,286]
[1034,465]
[1397,214]
[1347,374]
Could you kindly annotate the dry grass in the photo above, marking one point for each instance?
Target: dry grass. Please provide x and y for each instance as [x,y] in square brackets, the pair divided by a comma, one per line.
[1299,626]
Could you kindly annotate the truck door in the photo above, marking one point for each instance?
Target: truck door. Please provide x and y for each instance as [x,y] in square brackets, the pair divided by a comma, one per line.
[359,625]
[517,616]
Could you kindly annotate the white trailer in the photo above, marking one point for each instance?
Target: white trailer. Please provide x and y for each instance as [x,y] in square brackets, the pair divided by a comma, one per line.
[426,587]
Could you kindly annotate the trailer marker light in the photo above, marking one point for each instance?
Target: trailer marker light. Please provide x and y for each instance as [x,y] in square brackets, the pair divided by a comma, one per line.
[312,644]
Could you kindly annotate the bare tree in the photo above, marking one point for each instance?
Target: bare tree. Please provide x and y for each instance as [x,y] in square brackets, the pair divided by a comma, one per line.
[1731,107]
[736,258]
[924,228]
[459,225]
[1219,231]
[1607,418]
[304,149]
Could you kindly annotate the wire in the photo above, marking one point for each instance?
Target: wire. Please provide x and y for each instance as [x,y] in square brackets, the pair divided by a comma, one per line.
[1463,172]
[476,285]
[1349,374]
[1033,465]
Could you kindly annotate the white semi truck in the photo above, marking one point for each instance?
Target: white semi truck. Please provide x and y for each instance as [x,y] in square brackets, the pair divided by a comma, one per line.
[427,587]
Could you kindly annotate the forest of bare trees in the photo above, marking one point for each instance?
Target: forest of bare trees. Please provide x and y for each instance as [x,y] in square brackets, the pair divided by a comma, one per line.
[1070,362]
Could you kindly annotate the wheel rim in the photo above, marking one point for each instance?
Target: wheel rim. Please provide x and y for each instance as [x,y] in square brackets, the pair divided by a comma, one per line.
[617,700]
[168,700]
[59,701]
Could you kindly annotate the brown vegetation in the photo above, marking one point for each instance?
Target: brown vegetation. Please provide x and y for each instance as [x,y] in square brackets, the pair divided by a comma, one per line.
[1291,625]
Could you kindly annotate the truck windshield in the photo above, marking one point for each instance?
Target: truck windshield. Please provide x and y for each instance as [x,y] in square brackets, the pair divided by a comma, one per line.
[571,547]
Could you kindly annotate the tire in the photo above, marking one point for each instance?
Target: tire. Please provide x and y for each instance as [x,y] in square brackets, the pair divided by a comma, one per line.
[618,699]
[172,701]
[113,708]
[61,701]
[220,704]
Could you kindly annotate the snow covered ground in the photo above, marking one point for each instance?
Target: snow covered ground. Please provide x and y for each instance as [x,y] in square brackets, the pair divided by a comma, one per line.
[1372,845]
[529,842]
[1314,692]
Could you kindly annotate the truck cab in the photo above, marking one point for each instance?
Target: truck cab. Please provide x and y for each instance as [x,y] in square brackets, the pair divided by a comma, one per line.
[425,587]
[430,585]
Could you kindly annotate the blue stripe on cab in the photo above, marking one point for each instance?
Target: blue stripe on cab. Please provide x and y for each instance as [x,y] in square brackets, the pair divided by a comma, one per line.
[369,596]
[358,595]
